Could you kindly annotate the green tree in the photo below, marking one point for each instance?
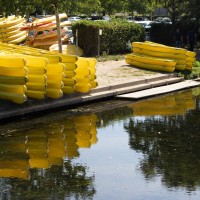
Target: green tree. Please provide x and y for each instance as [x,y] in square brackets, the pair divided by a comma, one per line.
[17,7]
[175,7]
[112,6]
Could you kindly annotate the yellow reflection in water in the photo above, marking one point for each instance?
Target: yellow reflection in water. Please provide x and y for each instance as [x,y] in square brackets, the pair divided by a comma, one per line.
[173,104]
[46,146]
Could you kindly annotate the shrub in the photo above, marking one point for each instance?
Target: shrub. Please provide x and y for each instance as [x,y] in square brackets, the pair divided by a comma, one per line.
[115,37]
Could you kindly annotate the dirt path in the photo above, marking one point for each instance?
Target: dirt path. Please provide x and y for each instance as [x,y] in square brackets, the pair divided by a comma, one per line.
[110,72]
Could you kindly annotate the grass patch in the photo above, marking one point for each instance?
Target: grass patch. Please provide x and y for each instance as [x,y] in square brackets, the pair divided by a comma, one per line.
[106,57]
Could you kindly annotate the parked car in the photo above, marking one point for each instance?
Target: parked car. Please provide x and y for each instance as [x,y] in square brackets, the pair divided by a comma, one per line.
[74,19]
[145,24]
[163,20]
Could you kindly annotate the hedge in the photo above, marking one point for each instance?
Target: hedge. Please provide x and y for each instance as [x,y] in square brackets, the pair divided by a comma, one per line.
[116,35]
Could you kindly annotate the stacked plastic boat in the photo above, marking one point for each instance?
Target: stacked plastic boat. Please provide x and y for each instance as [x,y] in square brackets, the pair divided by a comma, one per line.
[27,72]
[159,57]
[10,31]
[43,32]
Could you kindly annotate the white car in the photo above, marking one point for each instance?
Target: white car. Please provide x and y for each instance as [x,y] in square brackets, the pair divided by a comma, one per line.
[74,19]
[145,24]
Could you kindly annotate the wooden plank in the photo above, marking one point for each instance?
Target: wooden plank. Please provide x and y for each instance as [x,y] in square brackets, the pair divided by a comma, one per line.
[159,90]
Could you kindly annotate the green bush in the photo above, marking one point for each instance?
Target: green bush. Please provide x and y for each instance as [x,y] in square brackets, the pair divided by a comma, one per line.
[116,35]
[162,33]
[195,73]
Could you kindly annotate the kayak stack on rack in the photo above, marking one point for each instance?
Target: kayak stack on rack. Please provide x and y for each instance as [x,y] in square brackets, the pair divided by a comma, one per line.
[43,32]
[44,74]
[10,31]
[154,56]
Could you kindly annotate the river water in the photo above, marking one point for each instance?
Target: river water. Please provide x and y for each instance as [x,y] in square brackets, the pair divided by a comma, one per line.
[144,150]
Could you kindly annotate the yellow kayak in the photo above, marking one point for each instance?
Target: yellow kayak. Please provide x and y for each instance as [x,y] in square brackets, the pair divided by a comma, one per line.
[33,61]
[159,48]
[150,66]
[36,70]
[151,60]
[36,78]
[12,22]
[68,89]
[92,62]
[69,81]
[14,97]
[55,85]
[180,67]
[82,79]
[93,84]
[160,54]
[55,76]
[19,89]
[55,68]
[70,66]
[11,28]
[69,73]
[18,40]
[13,71]
[10,61]
[82,71]
[82,87]
[191,54]
[14,80]
[39,95]
[36,86]
[54,93]
[82,62]
[92,77]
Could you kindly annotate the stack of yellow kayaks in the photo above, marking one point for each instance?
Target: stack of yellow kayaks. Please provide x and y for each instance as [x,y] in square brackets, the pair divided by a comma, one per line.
[190,59]
[154,56]
[70,65]
[92,67]
[55,74]
[80,74]
[37,77]
[45,74]
[13,77]
[9,30]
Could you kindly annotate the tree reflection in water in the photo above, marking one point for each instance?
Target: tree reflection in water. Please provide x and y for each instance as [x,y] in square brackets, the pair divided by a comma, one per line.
[170,144]
[57,182]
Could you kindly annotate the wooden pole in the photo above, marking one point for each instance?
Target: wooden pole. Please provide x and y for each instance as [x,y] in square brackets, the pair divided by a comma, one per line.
[77,42]
[58,29]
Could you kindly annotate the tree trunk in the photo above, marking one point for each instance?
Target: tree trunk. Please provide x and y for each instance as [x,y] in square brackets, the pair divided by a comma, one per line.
[58,29]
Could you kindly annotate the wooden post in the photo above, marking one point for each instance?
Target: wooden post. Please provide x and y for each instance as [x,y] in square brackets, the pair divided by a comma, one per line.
[77,42]
[58,29]
[99,41]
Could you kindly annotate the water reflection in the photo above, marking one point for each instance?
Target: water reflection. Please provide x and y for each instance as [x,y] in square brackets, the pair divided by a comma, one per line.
[173,104]
[44,160]
[41,158]
[169,142]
